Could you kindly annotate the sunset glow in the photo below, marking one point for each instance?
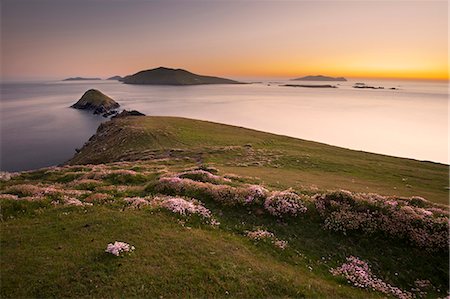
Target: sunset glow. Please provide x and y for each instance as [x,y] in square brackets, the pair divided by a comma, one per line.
[383,39]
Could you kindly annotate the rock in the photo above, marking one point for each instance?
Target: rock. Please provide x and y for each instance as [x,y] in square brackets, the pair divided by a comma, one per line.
[96,101]
[126,113]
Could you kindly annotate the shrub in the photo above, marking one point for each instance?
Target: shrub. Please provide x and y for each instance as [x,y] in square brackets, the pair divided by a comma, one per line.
[360,275]
[283,203]
[396,217]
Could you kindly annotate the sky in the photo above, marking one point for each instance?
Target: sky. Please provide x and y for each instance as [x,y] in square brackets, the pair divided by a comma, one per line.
[54,39]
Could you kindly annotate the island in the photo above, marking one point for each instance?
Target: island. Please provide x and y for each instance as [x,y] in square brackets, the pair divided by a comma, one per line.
[168,76]
[96,101]
[81,79]
[117,78]
[319,78]
[310,85]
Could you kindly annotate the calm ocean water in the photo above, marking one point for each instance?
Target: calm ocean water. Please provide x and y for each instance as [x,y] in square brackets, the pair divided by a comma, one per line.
[39,129]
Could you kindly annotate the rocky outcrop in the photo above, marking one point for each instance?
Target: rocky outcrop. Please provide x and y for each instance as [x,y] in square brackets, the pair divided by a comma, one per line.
[126,113]
[96,101]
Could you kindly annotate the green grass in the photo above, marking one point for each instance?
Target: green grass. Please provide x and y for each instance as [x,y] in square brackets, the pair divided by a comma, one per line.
[60,254]
[278,160]
[52,250]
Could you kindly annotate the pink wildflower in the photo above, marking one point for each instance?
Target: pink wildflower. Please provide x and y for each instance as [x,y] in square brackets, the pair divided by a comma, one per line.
[118,247]
[280,244]
[284,203]
[260,234]
[136,202]
[360,275]
[184,207]
[5,196]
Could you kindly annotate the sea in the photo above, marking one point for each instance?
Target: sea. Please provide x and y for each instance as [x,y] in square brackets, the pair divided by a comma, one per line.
[39,129]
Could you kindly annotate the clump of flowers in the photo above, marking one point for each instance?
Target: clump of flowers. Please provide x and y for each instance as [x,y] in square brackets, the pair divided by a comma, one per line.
[260,234]
[280,244]
[136,202]
[71,201]
[255,194]
[203,176]
[360,275]
[185,207]
[25,190]
[118,247]
[416,220]
[97,197]
[6,176]
[283,203]
[6,196]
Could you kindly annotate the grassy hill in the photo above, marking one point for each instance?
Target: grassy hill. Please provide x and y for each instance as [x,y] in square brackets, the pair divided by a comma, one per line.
[168,76]
[131,180]
[279,161]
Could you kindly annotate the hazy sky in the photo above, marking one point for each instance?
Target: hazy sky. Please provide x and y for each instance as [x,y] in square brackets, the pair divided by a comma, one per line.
[62,38]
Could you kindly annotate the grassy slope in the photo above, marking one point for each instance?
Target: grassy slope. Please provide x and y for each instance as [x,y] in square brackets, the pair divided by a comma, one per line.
[67,259]
[279,161]
[57,251]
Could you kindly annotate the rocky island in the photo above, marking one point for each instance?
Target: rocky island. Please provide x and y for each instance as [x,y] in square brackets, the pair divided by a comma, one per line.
[81,79]
[310,85]
[168,76]
[319,78]
[96,101]
[117,78]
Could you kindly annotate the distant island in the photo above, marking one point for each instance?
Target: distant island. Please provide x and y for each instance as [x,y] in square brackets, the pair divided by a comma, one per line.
[310,85]
[319,78]
[97,102]
[168,76]
[80,79]
[118,78]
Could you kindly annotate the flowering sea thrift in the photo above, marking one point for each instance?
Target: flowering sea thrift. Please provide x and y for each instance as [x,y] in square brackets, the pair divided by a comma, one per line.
[284,203]
[185,208]
[360,275]
[8,196]
[71,201]
[118,247]
[260,234]
[222,193]
[203,176]
[136,202]
[425,226]
[255,194]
